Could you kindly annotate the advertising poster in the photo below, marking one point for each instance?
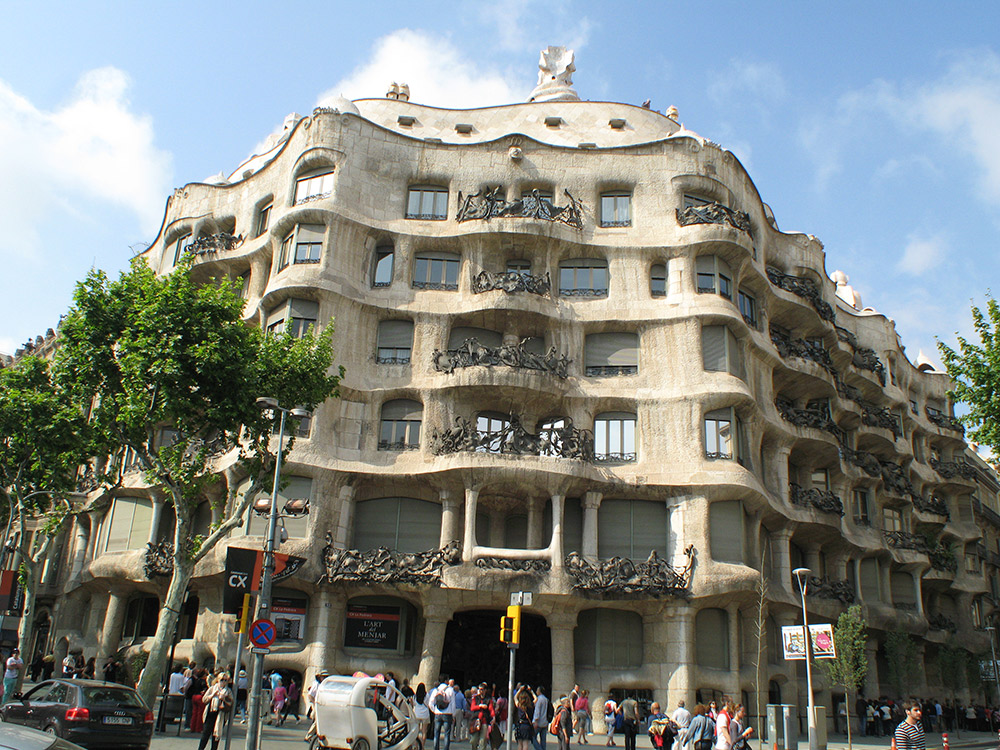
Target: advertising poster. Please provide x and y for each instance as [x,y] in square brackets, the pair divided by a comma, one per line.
[289,617]
[794,645]
[370,626]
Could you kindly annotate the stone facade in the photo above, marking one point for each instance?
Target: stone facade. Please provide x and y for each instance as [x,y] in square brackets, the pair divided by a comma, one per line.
[581,361]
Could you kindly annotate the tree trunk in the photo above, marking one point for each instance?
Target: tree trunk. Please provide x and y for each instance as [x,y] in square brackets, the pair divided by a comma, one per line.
[26,630]
[152,675]
[847,713]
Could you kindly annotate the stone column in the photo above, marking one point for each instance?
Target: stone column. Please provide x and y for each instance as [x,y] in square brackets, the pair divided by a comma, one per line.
[469,538]
[735,650]
[111,631]
[344,534]
[561,627]
[871,688]
[813,561]
[918,581]
[96,520]
[591,503]
[329,610]
[857,585]
[81,540]
[781,556]
[154,525]
[680,648]
[449,517]
[535,508]
[781,472]
[680,279]
[436,619]
[558,509]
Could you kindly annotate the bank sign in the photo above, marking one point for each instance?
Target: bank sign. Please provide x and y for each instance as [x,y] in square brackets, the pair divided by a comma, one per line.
[244,569]
[372,626]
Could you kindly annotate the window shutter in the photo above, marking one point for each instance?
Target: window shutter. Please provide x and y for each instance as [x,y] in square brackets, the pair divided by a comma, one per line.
[310,233]
[142,520]
[735,356]
[375,523]
[869,579]
[712,638]
[486,337]
[705,264]
[614,529]
[303,309]
[649,528]
[902,589]
[119,524]
[395,334]
[722,267]
[402,408]
[535,345]
[612,349]
[419,525]
[277,315]
[713,348]
[725,519]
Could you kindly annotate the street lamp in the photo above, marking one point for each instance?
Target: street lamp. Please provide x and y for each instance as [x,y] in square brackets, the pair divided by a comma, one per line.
[264,605]
[802,575]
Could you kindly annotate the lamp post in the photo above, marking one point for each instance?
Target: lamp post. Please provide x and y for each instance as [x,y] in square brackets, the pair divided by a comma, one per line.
[264,602]
[802,576]
[996,677]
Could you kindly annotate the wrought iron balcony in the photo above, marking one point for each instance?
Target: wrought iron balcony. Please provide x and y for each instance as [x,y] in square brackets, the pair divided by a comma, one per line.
[714,213]
[582,292]
[427,217]
[951,469]
[804,288]
[436,285]
[397,445]
[985,512]
[789,347]
[807,418]
[385,565]
[512,439]
[944,559]
[611,370]
[906,540]
[394,359]
[939,622]
[879,416]
[823,500]
[213,243]
[943,420]
[158,560]
[511,282]
[517,356]
[614,458]
[621,576]
[828,588]
[864,358]
[490,204]
[934,505]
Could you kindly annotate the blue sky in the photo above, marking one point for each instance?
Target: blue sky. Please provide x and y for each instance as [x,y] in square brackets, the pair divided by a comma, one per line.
[875,127]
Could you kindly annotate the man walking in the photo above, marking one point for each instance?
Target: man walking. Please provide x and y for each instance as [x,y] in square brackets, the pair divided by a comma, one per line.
[442,704]
[14,667]
[909,734]
[540,719]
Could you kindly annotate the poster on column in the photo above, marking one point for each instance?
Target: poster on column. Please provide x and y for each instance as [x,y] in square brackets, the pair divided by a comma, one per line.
[822,642]
[289,617]
[372,626]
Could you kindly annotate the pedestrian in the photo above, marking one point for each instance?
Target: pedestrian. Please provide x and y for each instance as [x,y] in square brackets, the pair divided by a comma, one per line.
[292,702]
[861,710]
[460,728]
[242,690]
[483,714]
[13,669]
[422,714]
[522,718]
[630,721]
[661,729]
[196,692]
[541,719]
[218,702]
[713,710]
[442,705]
[564,723]
[500,713]
[700,734]
[311,704]
[723,740]
[90,670]
[279,696]
[69,667]
[740,729]
[909,735]
[37,664]
[681,716]
[580,710]
[611,717]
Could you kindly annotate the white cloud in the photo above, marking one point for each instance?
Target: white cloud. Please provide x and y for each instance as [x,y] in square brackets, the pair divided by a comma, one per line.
[529,25]
[92,148]
[436,72]
[747,81]
[922,254]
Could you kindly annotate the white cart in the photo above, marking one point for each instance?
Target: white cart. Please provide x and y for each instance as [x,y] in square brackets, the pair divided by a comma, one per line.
[355,713]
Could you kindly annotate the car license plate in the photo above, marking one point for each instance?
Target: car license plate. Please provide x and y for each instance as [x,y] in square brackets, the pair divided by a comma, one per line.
[118,720]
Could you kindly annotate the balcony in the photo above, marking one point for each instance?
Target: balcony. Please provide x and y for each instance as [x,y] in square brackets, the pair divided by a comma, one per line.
[489,204]
[943,420]
[473,354]
[512,439]
[932,505]
[511,282]
[952,469]
[822,500]
[789,347]
[603,371]
[906,540]
[985,512]
[619,577]
[827,588]
[213,243]
[804,288]
[397,445]
[386,566]
[808,418]
[940,622]
[714,213]
[864,358]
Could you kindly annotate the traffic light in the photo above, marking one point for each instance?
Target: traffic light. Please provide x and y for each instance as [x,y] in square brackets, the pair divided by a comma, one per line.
[243,615]
[510,626]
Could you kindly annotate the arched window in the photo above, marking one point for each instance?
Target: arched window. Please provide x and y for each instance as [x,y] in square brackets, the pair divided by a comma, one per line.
[632,529]
[382,265]
[714,276]
[404,524]
[460,334]
[608,638]
[400,426]
[492,428]
[611,354]
[583,277]
[711,629]
[614,437]
[395,342]
[142,615]
[658,280]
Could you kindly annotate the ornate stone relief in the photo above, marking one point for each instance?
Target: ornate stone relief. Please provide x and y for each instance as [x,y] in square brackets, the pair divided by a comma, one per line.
[489,204]
[474,354]
[513,439]
[511,282]
[383,565]
[714,213]
[621,576]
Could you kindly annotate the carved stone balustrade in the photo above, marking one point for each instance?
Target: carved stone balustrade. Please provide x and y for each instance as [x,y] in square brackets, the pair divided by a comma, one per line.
[620,576]
[158,561]
[944,421]
[940,622]
[511,282]
[951,469]
[517,356]
[564,442]
[933,505]
[213,243]
[384,565]
[714,213]
[804,288]
[827,588]
[823,500]
[864,358]
[906,540]
[490,204]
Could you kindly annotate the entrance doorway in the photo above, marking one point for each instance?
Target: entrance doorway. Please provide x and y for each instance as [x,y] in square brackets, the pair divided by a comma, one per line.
[473,652]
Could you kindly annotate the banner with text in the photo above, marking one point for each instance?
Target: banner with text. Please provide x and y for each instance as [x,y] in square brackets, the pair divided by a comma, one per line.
[794,644]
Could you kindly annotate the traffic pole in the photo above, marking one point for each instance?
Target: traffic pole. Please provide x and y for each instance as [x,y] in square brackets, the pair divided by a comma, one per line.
[510,695]
[242,620]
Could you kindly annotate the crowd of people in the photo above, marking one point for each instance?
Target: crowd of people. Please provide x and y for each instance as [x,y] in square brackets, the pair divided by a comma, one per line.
[879,718]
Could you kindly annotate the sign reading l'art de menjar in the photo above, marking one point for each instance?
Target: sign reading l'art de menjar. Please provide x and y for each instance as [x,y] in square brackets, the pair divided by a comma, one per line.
[372,626]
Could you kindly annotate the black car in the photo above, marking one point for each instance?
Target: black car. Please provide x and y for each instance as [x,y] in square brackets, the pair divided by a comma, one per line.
[87,712]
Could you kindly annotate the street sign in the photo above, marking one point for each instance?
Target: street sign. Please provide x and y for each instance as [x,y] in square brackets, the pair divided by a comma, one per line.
[260,650]
[244,568]
[262,633]
[520,599]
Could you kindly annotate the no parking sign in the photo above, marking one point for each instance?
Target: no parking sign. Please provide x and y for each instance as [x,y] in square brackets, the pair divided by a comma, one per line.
[262,633]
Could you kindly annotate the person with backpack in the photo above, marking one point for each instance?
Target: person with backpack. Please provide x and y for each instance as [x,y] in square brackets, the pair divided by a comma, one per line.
[562,723]
[522,718]
[442,705]
[483,713]
[544,714]
[700,734]
[610,720]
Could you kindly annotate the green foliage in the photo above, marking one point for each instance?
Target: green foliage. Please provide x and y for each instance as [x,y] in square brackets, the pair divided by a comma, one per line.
[850,667]
[975,370]
[901,656]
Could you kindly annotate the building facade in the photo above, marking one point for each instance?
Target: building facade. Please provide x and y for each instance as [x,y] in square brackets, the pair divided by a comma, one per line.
[581,361]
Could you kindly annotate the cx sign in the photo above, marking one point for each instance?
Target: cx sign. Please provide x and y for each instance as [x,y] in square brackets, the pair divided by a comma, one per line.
[244,568]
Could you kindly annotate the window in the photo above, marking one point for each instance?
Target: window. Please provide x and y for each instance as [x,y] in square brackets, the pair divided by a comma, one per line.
[404,524]
[395,341]
[543,194]
[913,407]
[142,615]
[244,284]
[658,280]
[819,479]
[296,317]
[294,488]
[303,245]
[714,276]
[263,217]
[726,531]
[611,354]
[859,499]
[550,437]
[382,269]
[427,202]
[693,201]
[460,334]
[128,524]
[616,210]
[871,589]
[491,427]
[614,437]
[610,638]
[433,270]
[182,242]
[301,426]
[583,277]
[721,351]
[972,563]
[748,308]
[904,596]
[724,438]
[711,627]
[400,427]
[892,519]
[632,529]
[313,185]
[518,266]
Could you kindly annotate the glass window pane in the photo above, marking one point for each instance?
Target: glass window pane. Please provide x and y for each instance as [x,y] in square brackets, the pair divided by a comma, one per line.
[421,271]
[413,203]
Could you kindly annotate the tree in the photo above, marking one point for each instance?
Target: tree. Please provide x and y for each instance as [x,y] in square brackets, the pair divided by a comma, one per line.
[760,589]
[148,353]
[901,657]
[951,663]
[850,667]
[44,439]
[975,372]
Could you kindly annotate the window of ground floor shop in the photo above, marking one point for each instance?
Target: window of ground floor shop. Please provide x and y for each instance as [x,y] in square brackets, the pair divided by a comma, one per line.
[473,652]
[380,623]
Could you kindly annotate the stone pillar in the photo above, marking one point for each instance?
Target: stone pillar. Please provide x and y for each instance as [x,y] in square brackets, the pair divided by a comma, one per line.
[81,540]
[344,534]
[329,610]
[812,556]
[857,585]
[435,624]
[558,510]
[680,279]
[154,525]
[871,689]
[591,503]
[753,536]
[561,627]
[918,581]
[535,508]
[735,650]
[111,631]
[781,554]
[96,520]
[680,648]
[469,538]
[449,518]
[781,478]
[919,648]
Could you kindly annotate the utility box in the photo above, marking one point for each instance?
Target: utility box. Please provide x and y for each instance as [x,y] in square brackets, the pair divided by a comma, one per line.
[820,713]
[782,727]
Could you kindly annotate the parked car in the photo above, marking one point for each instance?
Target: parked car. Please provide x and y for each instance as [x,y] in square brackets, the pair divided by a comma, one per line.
[86,712]
[13,737]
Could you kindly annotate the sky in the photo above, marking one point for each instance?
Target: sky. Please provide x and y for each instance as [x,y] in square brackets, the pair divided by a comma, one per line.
[874,126]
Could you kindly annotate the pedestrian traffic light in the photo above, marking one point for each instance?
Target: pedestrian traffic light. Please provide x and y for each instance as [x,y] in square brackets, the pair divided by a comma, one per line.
[510,626]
